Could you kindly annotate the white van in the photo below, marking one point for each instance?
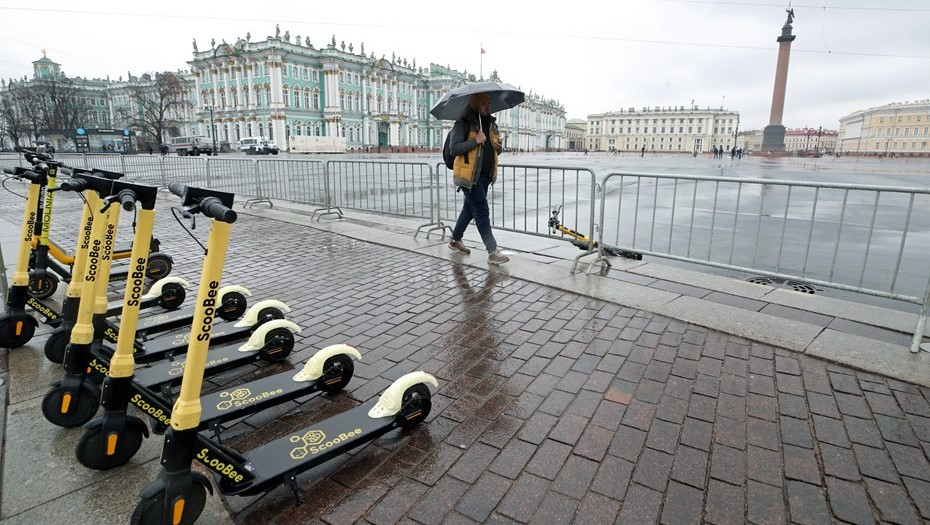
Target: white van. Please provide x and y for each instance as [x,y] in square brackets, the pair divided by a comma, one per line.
[257,146]
[190,145]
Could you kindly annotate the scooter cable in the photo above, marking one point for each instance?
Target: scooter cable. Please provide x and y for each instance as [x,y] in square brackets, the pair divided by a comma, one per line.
[187,215]
[6,179]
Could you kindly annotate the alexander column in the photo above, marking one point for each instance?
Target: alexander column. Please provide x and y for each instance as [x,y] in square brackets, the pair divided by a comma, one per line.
[773,136]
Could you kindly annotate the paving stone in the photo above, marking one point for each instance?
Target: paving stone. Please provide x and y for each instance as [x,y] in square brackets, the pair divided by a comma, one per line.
[849,501]
[524,497]
[801,464]
[807,504]
[724,503]
[683,505]
[597,510]
[483,497]
[575,477]
[766,504]
[766,466]
[690,467]
[640,505]
[652,469]
[891,501]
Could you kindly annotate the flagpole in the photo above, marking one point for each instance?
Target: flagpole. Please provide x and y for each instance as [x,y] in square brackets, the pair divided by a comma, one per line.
[481,64]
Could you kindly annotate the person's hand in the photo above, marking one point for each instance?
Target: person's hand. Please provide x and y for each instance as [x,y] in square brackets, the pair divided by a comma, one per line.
[480,138]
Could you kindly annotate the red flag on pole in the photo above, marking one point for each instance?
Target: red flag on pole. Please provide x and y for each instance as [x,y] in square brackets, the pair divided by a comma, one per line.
[482,50]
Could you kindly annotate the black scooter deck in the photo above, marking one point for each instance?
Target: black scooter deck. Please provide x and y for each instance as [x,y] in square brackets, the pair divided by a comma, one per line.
[169,373]
[158,349]
[273,462]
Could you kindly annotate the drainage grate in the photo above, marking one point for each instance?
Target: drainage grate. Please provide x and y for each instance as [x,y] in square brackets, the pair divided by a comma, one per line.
[776,282]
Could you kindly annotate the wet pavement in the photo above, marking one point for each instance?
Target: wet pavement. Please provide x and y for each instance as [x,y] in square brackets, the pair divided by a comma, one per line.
[556,404]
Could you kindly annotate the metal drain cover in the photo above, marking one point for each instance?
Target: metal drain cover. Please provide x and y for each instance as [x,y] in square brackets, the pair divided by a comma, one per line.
[776,282]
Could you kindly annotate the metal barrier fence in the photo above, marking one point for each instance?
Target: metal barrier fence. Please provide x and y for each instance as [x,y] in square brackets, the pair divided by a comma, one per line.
[524,197]
[393,188]
[866,239]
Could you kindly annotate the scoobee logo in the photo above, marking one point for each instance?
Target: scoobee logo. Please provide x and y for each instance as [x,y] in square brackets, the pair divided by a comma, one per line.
[314,442]
[243,396]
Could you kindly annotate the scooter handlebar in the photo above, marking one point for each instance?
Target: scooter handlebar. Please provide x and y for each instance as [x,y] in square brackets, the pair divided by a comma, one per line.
[127,199]
[177,188]
[71,185]
[213,208]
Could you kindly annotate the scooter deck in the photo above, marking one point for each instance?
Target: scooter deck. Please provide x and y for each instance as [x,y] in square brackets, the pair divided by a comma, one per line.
[158,349]
[169,373]
[274,462]
[230,404]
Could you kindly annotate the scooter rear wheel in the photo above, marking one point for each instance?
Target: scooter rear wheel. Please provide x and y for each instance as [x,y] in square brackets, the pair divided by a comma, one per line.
[278,345]
[347,369]
[91,448]
[416,406]
[159,265]
[151,511]
[233,307]
[79,410]
[45,287]
[172,296]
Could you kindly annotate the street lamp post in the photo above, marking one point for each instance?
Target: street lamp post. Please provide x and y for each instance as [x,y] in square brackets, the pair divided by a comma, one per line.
[212,127]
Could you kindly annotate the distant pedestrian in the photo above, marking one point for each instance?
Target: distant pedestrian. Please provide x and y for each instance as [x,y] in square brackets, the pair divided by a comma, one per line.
[150,149]
[642,152]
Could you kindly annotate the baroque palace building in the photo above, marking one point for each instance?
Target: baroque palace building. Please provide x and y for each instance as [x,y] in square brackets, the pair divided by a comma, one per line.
[899,129]
[676,129]
[282,87]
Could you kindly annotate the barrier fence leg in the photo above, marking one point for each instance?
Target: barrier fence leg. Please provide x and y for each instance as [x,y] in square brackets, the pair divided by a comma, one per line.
[921,324]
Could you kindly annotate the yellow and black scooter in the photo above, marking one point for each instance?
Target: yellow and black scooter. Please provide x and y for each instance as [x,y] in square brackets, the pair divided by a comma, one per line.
[179,494]
[16,326]
[167,292]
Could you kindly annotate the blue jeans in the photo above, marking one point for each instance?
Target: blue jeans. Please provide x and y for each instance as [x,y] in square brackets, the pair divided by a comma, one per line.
[476,207]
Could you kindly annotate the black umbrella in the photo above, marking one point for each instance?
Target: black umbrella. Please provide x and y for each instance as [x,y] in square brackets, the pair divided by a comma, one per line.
[453,104]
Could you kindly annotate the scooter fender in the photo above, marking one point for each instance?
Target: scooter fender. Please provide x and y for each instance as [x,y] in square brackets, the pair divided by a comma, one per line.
[389,404]
[257,340]
[130,421]
[313,370]
[233,288]
[156,290]
[251,316]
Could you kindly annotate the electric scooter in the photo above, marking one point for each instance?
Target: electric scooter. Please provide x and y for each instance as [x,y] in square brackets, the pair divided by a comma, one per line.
[16,326]
[179,494]
[74,400]
[167,293]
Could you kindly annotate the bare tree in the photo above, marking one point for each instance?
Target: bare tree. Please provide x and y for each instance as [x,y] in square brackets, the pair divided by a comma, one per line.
[15,125]
[156,108]
[62,106]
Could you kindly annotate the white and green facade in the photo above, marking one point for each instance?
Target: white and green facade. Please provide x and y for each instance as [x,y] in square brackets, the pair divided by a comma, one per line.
[279,88]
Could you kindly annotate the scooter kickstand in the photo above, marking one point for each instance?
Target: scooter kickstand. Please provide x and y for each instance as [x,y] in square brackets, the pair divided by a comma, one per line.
[217,429]
[292,483]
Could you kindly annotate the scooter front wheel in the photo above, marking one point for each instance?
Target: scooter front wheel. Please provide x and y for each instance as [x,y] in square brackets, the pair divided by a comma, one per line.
[16,330]
[55,345]
[71,409]
[96,451]
[151,510]
[172,296]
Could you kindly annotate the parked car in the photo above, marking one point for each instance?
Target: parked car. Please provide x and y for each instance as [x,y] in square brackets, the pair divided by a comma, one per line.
[190,145]
[257,146]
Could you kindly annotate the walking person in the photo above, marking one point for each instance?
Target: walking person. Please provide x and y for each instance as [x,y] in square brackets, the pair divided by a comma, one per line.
[475,142]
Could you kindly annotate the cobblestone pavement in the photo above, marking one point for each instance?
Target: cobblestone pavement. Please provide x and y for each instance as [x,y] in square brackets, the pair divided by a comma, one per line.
[556,408]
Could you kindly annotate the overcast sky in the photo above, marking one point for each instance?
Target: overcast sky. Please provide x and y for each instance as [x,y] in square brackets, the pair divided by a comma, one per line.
[593,57]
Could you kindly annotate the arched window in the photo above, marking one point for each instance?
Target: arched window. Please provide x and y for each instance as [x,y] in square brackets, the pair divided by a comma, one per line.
[261,129]
[298,129]
[309,130]
[287,96]
[308,99]
[238,133]
[316,99]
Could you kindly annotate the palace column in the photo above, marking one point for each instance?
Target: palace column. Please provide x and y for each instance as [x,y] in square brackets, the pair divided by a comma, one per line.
[773,136]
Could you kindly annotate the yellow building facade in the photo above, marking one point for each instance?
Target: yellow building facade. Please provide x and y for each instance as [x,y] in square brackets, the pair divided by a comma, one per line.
[900,129]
